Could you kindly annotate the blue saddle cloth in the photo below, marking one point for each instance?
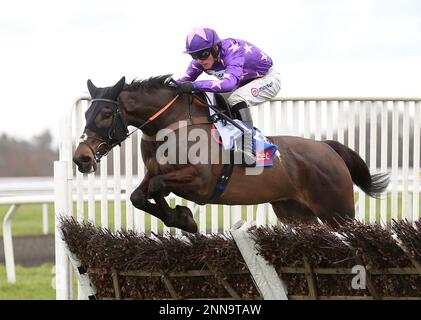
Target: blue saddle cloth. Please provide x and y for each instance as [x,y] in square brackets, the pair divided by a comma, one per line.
[262,147]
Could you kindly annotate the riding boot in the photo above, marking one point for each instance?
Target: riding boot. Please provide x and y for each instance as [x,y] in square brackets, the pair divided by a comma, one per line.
[247,147]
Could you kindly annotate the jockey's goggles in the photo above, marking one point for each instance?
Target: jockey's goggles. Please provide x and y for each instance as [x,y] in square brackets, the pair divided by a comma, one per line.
[201,55]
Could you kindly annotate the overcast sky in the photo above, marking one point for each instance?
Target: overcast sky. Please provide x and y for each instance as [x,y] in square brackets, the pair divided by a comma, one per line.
[321,47]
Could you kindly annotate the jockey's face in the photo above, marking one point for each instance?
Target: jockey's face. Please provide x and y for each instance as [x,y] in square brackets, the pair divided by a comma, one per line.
[206,63]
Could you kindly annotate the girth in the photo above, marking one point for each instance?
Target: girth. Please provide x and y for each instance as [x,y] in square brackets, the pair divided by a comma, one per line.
[222,182]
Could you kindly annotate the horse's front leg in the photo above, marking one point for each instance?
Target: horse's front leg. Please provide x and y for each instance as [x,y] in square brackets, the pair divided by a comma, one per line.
[186,180]
[180,217]
[144,186]
[140,200]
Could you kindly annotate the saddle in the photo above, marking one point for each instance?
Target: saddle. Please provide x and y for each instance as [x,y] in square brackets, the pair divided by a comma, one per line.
[203,99]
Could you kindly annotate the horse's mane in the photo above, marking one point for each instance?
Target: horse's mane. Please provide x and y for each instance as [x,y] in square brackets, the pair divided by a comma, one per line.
[151,84]
[156,83]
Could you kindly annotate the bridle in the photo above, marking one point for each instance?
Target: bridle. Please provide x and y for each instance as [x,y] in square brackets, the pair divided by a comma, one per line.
[110,142]
[106,144]
[97,153]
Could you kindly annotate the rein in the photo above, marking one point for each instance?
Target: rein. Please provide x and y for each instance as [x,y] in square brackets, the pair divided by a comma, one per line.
[187,122]
[156,115]
[107,142]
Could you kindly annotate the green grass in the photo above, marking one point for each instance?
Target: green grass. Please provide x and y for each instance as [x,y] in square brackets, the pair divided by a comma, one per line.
[27,220]
[31,284]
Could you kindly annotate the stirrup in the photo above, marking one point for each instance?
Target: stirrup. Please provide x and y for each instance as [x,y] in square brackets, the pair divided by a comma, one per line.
[245,147]
[249,160]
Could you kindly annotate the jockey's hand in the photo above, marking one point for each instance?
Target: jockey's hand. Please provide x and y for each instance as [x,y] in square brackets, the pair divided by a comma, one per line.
[186,87]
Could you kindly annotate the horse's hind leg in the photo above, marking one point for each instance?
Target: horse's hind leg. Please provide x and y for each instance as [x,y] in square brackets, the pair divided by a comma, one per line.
[290,211]
[331,211]
[334,211]
[334,203]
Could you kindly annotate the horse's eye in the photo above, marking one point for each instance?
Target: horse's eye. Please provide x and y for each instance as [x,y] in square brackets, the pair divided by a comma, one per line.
[106,115]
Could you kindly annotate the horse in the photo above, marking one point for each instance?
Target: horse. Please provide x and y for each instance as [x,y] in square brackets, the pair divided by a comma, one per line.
[309,181]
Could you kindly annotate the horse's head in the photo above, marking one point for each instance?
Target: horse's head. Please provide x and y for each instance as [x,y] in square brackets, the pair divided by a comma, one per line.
[141,104]
[105,126]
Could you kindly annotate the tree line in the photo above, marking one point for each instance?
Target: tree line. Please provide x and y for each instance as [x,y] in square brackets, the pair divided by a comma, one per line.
[27,158]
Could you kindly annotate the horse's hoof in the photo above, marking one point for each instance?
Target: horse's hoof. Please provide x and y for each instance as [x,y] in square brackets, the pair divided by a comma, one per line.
[184,219]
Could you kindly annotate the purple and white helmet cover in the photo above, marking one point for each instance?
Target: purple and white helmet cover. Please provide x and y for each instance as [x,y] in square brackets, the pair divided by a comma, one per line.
[200,39]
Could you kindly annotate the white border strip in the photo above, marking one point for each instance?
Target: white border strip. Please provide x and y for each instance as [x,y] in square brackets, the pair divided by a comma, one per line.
[265,277]
[88,289]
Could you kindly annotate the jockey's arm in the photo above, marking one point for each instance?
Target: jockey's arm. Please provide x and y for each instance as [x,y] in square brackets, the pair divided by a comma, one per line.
[232,76]
[193,72]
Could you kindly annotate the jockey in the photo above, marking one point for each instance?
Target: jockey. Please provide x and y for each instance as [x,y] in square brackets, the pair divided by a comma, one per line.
[245,74]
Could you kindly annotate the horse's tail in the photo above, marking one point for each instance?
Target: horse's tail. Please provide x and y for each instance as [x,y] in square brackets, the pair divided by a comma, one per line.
[373,185]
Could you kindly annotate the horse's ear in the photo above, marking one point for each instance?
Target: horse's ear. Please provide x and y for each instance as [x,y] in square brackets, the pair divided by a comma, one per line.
[92,89]
[118,87]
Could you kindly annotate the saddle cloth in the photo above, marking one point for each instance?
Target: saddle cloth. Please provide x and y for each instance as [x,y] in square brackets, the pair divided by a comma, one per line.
[262,147]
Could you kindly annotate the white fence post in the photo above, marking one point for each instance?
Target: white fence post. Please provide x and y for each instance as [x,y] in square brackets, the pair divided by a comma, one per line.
[8,245]
[417,168]
[61,209]
[45,218]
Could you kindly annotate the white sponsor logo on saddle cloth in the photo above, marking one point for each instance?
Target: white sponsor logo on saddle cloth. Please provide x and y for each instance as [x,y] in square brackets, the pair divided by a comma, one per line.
[262,147]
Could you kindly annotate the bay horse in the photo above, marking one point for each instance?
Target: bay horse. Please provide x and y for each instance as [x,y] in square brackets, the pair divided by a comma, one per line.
[308,179]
